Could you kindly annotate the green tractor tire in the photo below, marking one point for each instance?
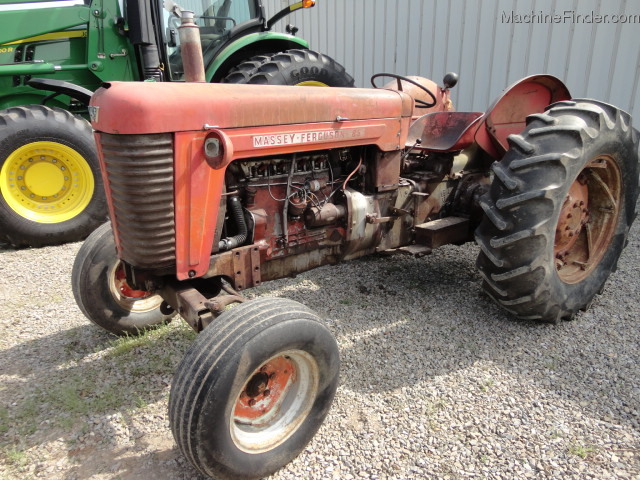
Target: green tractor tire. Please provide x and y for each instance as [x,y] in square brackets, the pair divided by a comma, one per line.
[51,189]
[293,67]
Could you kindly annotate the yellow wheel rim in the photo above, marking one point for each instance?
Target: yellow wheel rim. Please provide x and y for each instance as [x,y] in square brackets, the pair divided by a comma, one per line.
[311,83]
[46,182]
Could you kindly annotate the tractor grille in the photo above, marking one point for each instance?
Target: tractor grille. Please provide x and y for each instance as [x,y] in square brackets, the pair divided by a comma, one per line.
[140,175]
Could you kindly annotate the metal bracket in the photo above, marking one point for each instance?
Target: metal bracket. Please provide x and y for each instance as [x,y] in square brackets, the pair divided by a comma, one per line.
[246,267]
[114,55]
[189,303]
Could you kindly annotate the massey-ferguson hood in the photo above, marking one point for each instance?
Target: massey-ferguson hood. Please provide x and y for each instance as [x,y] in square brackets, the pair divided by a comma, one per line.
[146,107]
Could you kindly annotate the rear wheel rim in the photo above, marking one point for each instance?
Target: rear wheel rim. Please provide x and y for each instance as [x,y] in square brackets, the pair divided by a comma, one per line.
[46,182]
[274,401]
[311,83]
[588,219]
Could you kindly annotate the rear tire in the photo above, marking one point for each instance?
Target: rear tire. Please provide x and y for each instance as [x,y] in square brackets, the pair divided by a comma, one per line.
[559,210]
[102,293]
[51,189]
[253,389]
[243,72]
[294,67]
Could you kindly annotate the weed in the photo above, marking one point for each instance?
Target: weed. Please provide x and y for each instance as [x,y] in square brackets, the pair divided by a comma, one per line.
[488,383]
[16,457]
[66,422]
[125,344]
[582,451]
[4,419]
[25,417]
[140,402]
[345,301]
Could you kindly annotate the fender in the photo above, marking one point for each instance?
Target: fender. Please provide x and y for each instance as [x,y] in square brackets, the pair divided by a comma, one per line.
[507,114]
[262,42]
[59,87]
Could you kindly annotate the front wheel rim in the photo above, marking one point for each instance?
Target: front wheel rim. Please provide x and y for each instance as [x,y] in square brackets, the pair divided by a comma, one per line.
[274,402]
[588,219]
[128,298]
[46,182]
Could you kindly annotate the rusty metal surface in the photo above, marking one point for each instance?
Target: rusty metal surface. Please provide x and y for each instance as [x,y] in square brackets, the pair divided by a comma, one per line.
[443,102]
[218,304]
[191,49]
[386,170]
[198,188]
[509,111]
[237,106]
[246,267]
[138,172]
[588,219]
[444,131]
[443,231]
[291,265]
[188,302]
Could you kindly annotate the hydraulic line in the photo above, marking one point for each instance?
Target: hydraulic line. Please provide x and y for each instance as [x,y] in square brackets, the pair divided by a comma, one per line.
[235,212]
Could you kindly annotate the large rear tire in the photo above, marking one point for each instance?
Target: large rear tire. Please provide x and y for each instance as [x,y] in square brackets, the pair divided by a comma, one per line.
[559,210]
[51,188]
[253,389]
[102,293]
[293,67]
[243,72]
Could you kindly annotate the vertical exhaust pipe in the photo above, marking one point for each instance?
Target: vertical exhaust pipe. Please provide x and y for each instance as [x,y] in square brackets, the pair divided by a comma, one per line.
[192,60]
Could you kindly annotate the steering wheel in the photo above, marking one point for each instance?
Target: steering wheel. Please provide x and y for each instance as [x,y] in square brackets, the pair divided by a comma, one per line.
[400,79]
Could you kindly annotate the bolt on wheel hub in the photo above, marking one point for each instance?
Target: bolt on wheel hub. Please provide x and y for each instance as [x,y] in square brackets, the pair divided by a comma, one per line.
[274,401]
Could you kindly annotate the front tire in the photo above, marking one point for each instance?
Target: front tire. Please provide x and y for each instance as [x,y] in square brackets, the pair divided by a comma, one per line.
[293,67]
[559,210]
[253,389]
[51,188]
[102,293]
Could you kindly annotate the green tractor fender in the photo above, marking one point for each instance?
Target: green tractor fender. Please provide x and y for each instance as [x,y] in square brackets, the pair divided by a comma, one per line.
[249,46]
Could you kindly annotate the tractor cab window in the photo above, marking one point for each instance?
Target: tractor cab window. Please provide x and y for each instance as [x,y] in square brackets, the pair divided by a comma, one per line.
[217,21]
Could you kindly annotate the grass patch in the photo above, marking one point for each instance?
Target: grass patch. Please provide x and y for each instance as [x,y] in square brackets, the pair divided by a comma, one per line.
[582,451]
[123,345]
[128,374]
[26,416]
[140,402]
[487,385]
[16,457]
[4,419]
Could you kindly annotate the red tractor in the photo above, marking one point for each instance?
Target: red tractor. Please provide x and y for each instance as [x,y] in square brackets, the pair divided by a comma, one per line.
[219,188]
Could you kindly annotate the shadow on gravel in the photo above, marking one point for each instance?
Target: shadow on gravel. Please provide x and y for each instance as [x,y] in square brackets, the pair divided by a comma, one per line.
[385,347]
[370,305]
[87,388]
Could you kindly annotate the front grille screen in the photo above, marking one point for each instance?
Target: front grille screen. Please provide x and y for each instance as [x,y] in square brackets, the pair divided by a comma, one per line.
[140,177]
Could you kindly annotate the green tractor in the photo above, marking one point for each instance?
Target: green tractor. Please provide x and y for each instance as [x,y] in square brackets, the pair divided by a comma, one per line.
[54,54]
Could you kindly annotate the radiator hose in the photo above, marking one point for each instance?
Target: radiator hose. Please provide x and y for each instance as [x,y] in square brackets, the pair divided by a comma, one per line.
[235,212]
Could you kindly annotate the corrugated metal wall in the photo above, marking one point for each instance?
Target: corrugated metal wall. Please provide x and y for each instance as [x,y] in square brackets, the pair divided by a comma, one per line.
[475,39]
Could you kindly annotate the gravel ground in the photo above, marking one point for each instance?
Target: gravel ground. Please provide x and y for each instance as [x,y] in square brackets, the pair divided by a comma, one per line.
[436,381]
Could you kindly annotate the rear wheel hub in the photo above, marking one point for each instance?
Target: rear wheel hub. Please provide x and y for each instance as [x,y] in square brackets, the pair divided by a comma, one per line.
[588,219]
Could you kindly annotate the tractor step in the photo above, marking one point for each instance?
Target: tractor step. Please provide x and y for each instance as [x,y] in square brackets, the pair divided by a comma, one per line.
[443,231]
[415,250]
